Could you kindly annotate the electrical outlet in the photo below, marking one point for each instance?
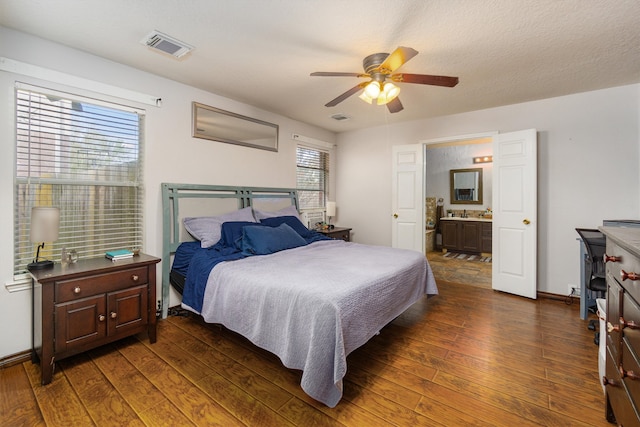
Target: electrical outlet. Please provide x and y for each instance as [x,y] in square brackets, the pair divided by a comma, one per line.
[574,290]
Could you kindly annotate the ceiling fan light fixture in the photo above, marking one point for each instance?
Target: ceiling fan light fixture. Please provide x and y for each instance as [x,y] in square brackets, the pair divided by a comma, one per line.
[372,89]
[391,91]
[365,97]
[388,94]
[380,67]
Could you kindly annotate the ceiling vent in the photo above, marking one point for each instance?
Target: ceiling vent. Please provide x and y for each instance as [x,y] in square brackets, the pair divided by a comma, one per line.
[165,44]
[339,117]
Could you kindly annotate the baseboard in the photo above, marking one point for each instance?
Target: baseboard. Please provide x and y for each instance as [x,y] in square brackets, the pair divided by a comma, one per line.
[15,359]
[549,295]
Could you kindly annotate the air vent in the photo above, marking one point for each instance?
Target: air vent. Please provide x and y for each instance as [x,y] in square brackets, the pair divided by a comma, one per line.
[165,44]
[339,117]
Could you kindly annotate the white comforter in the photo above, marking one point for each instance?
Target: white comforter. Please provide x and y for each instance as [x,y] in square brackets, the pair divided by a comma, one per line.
[313,305]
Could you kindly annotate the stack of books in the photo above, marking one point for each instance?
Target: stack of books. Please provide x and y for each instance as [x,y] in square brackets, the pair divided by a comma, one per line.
[119,254]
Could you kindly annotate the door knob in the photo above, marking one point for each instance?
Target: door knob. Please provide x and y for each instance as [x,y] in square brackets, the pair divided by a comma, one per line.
[526,221]
[395,215]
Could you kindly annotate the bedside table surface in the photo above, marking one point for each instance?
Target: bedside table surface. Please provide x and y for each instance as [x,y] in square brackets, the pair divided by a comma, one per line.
[93,265]
[333,230]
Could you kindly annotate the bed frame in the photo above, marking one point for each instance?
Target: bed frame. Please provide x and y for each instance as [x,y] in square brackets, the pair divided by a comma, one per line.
[184,200]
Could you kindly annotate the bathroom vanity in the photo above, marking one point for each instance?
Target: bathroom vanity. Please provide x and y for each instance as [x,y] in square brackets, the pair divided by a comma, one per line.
[470,235]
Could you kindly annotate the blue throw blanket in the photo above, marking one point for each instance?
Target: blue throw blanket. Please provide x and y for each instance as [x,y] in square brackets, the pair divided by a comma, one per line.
[238,240]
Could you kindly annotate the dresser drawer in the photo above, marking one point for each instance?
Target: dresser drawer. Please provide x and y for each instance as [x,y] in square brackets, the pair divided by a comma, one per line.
[618,397]
[615,295]
[627,263]
[69,290]
[631,371]
[631,328]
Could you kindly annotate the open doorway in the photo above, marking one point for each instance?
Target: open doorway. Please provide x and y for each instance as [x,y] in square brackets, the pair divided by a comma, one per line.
[458,217]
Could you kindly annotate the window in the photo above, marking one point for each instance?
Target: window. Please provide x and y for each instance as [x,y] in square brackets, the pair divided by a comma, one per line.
[312,177]
[84,157]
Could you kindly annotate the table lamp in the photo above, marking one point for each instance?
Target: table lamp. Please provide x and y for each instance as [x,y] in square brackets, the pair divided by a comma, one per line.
[45,223]
[330,212]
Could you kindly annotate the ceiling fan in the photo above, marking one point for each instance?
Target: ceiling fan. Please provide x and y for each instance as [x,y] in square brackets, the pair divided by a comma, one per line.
[379,68]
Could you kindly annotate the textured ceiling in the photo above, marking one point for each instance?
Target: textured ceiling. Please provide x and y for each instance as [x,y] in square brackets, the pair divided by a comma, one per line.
[262,52]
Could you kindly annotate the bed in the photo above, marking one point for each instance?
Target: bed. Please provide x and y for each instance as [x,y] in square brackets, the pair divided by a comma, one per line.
[308,299]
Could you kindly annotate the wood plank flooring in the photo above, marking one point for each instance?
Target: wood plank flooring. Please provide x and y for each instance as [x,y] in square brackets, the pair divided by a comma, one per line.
[467,357]
[465,272]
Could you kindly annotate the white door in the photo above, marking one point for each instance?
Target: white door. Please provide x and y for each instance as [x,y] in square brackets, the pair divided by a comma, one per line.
[514,213]
[407,201]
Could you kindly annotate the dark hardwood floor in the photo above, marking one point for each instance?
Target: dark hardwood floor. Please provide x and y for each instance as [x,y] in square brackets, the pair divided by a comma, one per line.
[469,356]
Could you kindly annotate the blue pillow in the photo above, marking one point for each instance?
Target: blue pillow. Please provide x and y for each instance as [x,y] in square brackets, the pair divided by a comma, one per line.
[231,233]
[291,221]
[263,240]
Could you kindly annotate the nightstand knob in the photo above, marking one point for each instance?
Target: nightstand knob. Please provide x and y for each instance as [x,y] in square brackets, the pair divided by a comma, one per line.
[114,314]
[101,318]
[135,277]
[76,290]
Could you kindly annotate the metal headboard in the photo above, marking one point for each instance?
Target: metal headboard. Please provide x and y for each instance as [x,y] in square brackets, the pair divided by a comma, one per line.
[173,194]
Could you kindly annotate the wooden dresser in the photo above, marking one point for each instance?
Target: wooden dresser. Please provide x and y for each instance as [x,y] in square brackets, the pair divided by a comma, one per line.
[622,371]
[82,305]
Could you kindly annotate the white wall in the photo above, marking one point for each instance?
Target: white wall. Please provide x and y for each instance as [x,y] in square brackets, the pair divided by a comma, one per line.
[171,154]
[588,153]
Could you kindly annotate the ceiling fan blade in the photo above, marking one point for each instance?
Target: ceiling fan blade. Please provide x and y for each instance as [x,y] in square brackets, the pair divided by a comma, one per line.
[425,79]
[396,59]
[395,105]
[333,74]
[345,95]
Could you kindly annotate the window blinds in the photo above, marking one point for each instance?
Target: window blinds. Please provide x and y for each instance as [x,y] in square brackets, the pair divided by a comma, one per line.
[312,177]
[86,159]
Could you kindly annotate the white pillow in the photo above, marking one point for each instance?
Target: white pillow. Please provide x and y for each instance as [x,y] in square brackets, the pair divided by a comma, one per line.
[288,211]
[207,228]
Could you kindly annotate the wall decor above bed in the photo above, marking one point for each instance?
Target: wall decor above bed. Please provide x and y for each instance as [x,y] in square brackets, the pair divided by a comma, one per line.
[224,126]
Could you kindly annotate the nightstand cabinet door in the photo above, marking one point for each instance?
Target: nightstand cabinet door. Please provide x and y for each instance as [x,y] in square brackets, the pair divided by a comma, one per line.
[127,310]
[80,323]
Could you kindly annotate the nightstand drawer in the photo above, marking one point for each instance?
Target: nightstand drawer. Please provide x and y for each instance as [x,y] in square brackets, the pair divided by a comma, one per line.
[625,262]
[69,290]
[340,233]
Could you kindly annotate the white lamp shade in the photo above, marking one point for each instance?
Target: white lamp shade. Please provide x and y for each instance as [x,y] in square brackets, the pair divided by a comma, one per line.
[45,222]
[331,209]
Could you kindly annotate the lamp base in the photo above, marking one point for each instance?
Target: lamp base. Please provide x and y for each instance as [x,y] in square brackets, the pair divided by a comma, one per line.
[39,265]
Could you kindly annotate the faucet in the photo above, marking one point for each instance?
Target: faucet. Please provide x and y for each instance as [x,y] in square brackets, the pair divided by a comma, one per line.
[464,213]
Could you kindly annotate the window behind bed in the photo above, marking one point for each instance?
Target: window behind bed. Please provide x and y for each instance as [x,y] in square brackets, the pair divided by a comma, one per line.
[312,181]
[85,157]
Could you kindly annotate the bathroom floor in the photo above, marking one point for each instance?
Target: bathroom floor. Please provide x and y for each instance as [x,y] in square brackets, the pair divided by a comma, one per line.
[449,269]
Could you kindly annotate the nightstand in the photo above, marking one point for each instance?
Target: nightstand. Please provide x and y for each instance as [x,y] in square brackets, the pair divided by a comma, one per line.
[83,305]
[338,233]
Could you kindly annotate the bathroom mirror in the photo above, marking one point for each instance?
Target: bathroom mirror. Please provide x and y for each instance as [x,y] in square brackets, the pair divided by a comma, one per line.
[224,126]
[466,186]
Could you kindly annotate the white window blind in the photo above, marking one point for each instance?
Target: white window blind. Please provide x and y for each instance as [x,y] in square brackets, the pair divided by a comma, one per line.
[312,177]
[86,159]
